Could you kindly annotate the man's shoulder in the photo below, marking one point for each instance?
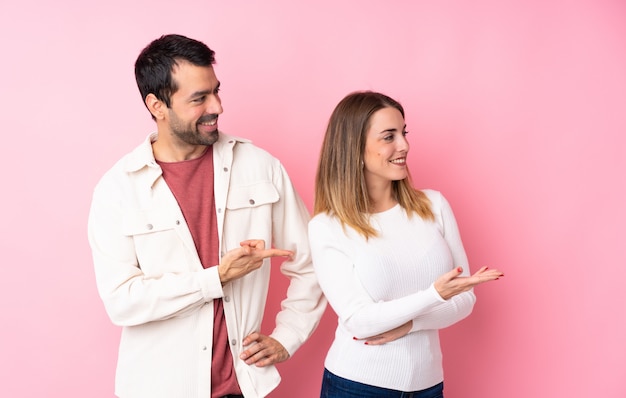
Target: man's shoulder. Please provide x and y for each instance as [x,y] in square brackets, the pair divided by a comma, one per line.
[134,160]
[245,150]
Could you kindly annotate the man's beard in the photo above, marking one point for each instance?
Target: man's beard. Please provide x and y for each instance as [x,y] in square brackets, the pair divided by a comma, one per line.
[193,136]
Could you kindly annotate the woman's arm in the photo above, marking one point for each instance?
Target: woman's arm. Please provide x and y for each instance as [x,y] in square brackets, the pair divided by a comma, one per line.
[356,310]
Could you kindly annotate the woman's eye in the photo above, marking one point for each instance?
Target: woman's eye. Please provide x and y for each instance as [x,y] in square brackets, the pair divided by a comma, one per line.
[404,133]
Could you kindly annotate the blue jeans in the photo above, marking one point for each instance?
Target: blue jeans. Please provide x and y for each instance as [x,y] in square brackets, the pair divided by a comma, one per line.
[334,386]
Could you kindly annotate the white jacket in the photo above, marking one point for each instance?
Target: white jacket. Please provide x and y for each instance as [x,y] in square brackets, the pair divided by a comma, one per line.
[152,283]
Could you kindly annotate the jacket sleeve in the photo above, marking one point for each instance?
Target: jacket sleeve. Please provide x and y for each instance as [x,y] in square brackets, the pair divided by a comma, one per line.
[460,306]
[130,296]
[305,303]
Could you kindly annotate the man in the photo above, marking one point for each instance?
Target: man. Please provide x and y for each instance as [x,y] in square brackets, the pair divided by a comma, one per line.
[182,230]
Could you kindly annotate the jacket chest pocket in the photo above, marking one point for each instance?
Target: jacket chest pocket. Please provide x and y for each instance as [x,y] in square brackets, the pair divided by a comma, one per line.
[249,212]
[251,196]
[156,234]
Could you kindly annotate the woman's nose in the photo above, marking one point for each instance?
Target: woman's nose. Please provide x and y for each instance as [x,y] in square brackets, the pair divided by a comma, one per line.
[403,144]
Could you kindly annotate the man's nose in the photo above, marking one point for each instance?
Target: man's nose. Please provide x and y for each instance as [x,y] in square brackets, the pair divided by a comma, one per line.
[214,105]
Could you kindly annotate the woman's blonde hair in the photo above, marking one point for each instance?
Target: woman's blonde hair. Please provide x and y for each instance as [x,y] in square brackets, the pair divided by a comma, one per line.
[340,187]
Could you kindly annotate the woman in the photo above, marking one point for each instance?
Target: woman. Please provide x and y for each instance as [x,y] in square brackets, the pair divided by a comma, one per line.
[388,257]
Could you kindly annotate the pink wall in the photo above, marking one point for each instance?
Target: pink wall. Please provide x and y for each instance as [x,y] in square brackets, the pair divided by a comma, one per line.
[516,110]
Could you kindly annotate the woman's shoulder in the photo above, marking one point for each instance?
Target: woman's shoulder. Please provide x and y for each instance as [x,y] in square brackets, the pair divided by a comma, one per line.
[327,226]
[326,231]
[438,203]
[323,229]
[435,197]
[324,219]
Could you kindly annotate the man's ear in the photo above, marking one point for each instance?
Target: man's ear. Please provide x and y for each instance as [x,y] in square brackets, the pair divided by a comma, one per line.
[156,107]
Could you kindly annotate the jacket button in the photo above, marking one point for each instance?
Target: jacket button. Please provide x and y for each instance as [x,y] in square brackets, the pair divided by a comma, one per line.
[149,226]
[227,298]
[225,168]
[251,201]
[233,342]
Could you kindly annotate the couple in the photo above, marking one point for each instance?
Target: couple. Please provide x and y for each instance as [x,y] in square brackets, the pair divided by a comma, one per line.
[182,230]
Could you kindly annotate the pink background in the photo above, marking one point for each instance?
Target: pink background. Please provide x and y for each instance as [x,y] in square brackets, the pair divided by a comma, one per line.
[516,112]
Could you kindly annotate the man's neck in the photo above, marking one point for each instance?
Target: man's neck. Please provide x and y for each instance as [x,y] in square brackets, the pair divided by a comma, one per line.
[170,152]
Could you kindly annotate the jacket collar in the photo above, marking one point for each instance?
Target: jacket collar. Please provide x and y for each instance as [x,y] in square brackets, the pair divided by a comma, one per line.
[142,156]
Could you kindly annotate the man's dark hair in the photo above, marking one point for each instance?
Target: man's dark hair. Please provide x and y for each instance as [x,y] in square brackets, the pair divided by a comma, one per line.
[153,68]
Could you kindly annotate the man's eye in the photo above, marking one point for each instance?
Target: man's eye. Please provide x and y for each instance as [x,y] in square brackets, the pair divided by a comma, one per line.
[199,99]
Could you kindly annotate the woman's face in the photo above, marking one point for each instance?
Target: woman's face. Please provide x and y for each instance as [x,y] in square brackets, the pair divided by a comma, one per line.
[385,148]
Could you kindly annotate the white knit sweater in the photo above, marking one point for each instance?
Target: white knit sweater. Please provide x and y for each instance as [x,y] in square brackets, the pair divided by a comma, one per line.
[377,285]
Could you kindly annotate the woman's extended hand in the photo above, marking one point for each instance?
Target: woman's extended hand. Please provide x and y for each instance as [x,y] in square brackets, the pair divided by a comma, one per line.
[451,283]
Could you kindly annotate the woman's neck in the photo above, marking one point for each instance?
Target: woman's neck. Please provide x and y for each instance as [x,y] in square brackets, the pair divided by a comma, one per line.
[381,199]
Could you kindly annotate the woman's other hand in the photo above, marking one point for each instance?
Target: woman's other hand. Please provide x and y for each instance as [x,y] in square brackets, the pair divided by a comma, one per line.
[389,335]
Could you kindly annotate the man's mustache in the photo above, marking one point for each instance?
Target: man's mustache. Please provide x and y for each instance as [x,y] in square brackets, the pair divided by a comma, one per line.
[207,118]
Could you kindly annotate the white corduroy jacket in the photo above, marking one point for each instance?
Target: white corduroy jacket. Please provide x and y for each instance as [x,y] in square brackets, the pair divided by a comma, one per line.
[152,283]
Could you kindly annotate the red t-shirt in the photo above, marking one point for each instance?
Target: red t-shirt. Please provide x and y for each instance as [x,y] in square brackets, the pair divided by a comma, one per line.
[191,182]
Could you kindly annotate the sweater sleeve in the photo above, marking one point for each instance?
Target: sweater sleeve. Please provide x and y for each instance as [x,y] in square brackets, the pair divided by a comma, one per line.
[460,306]
[357,311]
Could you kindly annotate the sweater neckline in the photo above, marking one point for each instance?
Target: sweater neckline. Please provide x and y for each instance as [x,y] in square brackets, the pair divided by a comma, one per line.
[388,211]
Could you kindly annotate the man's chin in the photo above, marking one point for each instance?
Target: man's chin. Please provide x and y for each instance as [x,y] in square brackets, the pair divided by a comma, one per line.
[208,138]
[213,137]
